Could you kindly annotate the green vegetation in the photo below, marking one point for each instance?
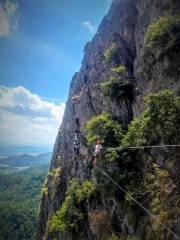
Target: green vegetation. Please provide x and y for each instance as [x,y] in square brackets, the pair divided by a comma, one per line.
[113,237]
[26,160]
[164,33]
[85,191]
[158,123]
[131,238]
[118,69]
[161,187]
[111,133]
[104,128]
[111,53]
[135,135]
[44,190]
[68,216]
[117,88]
[19,200]
[159,120]
[55,173]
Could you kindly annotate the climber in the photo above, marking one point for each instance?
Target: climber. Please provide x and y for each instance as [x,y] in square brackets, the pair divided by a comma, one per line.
[97,151]
[76,143]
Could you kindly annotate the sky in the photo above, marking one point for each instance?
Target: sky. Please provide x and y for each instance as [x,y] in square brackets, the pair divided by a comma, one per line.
[41,47]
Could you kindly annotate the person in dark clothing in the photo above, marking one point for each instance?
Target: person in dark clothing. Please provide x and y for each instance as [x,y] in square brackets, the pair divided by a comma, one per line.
[76,143]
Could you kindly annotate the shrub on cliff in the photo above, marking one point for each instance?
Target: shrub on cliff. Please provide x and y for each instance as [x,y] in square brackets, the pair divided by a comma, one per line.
[117,88]
[104,128]
[113,237]
[111,53]
[119,69]
[164,33]
[85,191]
[159,121]
[68,216]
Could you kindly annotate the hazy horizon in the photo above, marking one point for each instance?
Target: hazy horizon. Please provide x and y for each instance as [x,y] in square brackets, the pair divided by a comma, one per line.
[6,150]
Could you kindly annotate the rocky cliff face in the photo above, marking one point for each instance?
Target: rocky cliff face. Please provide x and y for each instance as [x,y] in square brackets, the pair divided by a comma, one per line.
[125,25]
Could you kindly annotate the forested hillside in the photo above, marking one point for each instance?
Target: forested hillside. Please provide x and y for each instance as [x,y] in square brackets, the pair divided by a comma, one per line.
[20,193]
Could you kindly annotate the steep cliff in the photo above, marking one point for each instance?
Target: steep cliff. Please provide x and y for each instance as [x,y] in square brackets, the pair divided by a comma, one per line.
[120,41]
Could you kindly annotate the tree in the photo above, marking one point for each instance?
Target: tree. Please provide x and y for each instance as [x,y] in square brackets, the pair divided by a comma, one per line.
[159,121]
[106,129]
[164,33]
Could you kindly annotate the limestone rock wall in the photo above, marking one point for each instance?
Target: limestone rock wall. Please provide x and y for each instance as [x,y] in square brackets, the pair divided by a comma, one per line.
[126,25]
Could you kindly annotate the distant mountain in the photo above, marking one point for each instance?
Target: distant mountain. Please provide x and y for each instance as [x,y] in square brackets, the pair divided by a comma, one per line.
[26,160]
[19,150]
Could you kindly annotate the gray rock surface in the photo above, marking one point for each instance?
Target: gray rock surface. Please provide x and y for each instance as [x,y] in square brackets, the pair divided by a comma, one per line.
[126,25]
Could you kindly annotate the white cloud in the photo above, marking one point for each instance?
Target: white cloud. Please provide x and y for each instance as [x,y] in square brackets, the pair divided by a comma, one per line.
[90,27]
[8,19]
[27,119]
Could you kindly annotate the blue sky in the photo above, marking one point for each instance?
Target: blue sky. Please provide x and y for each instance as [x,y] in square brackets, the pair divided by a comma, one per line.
[41,45]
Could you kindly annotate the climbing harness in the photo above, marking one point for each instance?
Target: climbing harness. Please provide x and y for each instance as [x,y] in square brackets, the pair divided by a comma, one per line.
[145,209]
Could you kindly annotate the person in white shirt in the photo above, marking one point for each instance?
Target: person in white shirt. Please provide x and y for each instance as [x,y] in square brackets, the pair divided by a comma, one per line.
[97,151]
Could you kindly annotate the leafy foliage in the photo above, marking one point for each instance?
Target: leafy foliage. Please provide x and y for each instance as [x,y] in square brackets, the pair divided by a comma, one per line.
[53,175]
[111,53]
[158,121]
[54,172]
[161,179]
[85,191]
[158,124]
[19,200]
[104,128]
[135,134]
[116,88]
[66,219]
[68,216]
[164,33]
[113,237]
[131,238]
[111,155]
[118,69]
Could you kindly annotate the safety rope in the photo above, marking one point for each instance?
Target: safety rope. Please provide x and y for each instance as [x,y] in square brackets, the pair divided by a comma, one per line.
[146,210]
[142,147]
